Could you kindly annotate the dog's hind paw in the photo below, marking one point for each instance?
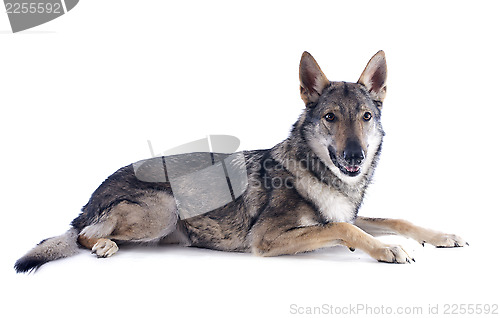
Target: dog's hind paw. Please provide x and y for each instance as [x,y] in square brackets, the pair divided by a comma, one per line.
[392,254]
[447,240]
[104,248]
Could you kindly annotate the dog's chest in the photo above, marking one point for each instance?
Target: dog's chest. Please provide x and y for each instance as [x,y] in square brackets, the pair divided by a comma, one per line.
[333,205]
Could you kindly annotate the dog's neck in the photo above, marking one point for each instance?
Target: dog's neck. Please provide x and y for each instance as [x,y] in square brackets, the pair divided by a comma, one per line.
[295,154]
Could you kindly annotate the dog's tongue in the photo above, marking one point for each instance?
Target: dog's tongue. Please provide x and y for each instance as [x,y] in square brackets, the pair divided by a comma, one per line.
[352,168]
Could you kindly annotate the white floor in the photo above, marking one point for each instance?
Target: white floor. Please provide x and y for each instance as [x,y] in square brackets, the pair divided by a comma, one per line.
[188,282]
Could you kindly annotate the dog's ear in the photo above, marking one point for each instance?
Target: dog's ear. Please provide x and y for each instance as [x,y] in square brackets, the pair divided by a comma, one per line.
[374,77]
[312,79]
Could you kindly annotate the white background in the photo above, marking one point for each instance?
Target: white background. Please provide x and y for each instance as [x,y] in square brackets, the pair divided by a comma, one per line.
[81,95]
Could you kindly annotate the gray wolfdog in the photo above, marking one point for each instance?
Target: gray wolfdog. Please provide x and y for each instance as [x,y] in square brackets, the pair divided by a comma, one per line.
[301,195]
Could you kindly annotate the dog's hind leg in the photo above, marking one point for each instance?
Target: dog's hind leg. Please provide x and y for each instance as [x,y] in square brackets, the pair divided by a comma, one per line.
[102,247]
[95,236]
[381,226]
[150,219]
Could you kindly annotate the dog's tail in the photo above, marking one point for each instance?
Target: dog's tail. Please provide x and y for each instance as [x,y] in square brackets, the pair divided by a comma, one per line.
[48,250]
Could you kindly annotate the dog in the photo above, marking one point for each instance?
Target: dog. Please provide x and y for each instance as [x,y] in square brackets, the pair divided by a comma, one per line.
[301,195]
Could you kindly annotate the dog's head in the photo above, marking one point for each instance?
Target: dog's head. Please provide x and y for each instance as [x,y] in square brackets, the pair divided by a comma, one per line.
[341,122]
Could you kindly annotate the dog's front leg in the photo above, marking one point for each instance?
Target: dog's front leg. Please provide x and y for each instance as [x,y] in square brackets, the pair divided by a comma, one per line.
[277,241]
[381,226]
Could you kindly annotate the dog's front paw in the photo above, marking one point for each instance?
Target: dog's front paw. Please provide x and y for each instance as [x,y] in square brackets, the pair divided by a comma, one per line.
[392,254]
[104,248]
[446,240]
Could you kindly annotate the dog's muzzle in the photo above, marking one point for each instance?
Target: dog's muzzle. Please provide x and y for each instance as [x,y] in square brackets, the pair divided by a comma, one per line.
[351,160]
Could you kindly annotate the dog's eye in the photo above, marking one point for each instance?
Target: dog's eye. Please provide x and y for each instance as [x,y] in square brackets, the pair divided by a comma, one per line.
[330,117]
[367,116]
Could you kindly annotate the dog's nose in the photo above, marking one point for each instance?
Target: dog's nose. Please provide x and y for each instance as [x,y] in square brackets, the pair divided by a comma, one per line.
[353,153]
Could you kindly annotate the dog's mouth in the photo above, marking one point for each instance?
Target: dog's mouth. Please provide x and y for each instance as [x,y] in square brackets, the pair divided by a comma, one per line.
[344,167]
